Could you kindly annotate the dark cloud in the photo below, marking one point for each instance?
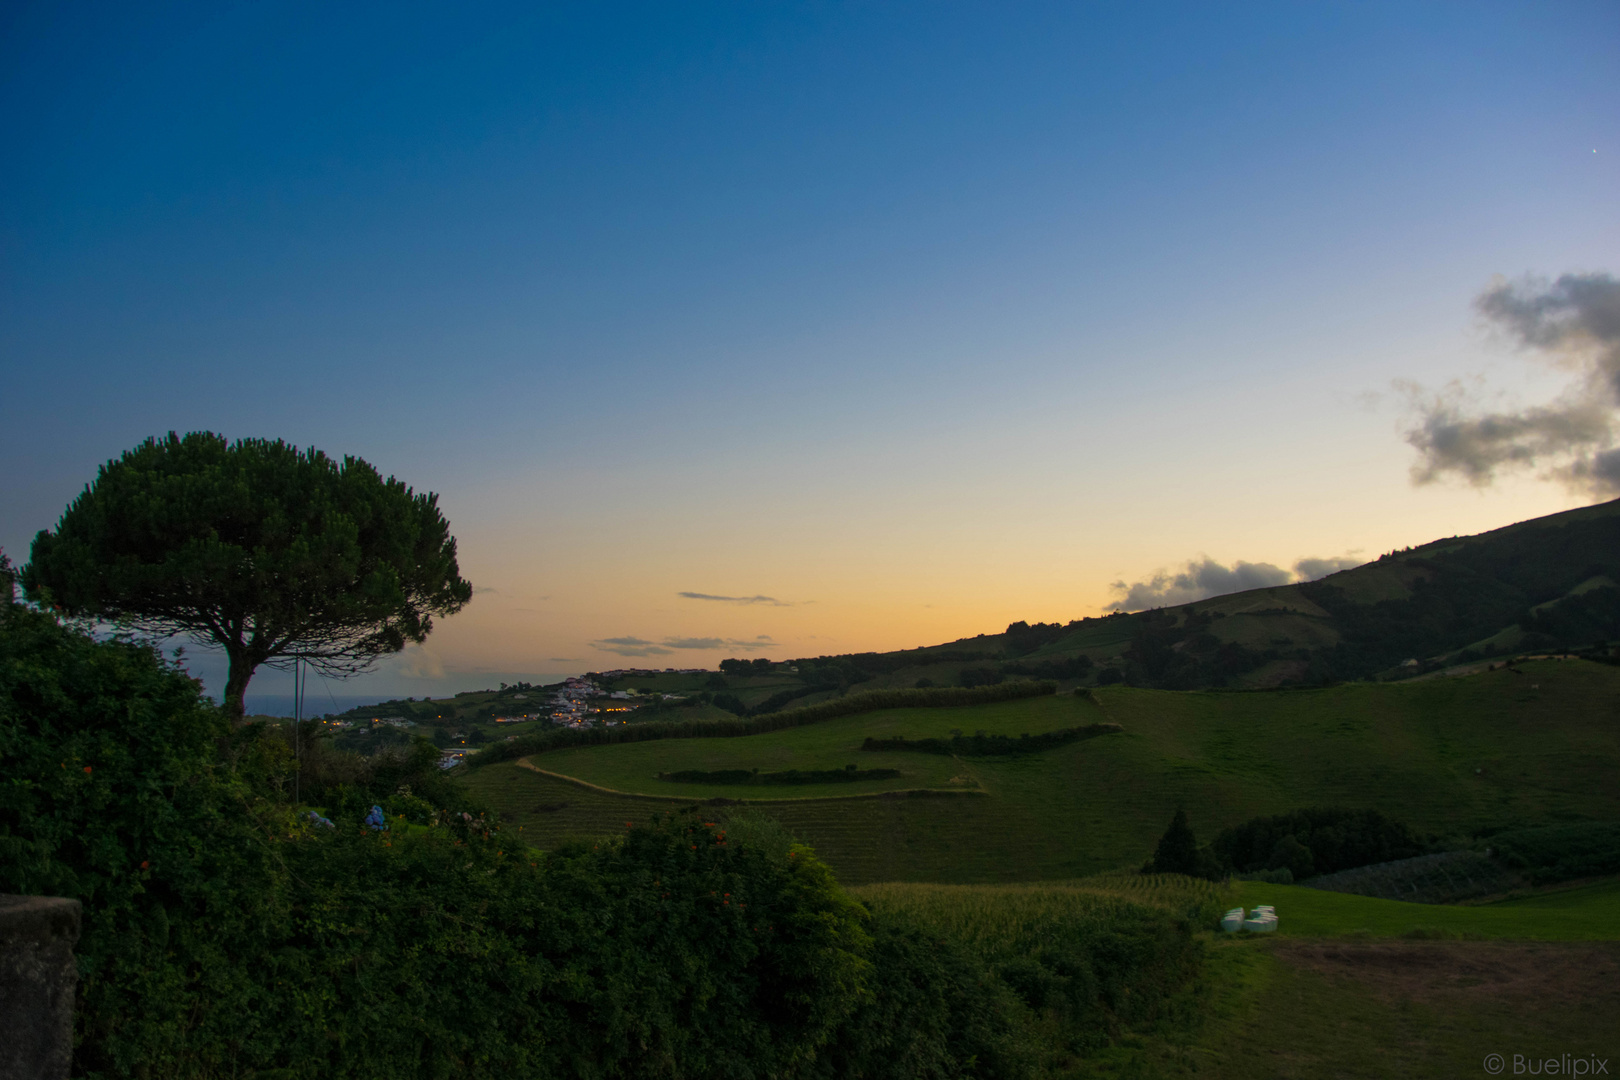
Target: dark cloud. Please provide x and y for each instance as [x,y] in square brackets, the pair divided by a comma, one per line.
[769,600]
[1202,578]
[630,646]
[763,641]
[634,646]
[1196,581]
[1573,322]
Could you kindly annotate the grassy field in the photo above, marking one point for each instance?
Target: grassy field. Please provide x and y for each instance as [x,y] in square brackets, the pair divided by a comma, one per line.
[1585,913]
[1453,755]
[1348,987]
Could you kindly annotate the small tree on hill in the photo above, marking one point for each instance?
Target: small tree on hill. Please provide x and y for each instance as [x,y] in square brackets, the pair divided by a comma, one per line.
[1177,852]
[270,553]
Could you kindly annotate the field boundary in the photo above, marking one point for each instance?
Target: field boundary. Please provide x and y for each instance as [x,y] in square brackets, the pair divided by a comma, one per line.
[726,800]
[940,697]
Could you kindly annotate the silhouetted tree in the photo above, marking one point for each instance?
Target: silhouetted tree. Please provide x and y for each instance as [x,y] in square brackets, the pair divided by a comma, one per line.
[270,553]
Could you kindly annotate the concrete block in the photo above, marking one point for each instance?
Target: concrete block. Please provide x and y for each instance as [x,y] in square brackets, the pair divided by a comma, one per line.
[38,978]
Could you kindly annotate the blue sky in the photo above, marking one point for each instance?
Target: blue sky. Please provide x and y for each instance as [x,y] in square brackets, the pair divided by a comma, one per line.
[923,317]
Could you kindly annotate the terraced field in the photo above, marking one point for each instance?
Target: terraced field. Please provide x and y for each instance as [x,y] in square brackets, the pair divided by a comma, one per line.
[1448,755]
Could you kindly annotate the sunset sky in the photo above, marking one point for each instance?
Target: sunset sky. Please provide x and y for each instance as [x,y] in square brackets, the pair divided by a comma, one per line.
[781,330]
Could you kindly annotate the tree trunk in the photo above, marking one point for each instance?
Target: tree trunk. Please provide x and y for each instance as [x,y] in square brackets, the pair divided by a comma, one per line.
[236,685]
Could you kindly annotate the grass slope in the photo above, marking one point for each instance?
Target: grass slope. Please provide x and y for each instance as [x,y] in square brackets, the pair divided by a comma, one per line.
[1348,987]
[1495,749]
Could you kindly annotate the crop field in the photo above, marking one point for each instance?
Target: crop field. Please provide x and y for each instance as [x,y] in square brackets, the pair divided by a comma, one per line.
[1348,987]
[1448,755]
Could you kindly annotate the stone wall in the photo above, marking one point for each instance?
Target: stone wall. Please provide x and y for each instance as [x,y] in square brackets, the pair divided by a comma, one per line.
[37,982]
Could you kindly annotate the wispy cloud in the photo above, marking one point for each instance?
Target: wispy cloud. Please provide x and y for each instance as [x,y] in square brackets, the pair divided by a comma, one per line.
[1202,578]
[1573,322]
[630,646]
[634,646]
[770,601]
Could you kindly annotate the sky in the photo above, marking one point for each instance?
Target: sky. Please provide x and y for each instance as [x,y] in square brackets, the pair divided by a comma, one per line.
[797,329]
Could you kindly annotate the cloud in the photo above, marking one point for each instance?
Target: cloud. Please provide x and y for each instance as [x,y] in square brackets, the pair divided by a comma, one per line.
[1574,323]
[1202,578]
[763,641]
[770,600]
[565,659]
[420,662]
[480,590]
[630,646]
[1310,569]
[634,646]
[1196,581]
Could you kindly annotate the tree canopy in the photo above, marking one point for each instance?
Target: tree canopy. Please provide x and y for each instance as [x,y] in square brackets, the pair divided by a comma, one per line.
[271,553]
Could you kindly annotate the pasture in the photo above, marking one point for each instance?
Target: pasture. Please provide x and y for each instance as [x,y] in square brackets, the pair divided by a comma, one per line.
[1453,756]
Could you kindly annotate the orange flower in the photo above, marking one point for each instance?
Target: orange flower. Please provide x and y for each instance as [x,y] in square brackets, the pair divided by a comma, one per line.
[87,768]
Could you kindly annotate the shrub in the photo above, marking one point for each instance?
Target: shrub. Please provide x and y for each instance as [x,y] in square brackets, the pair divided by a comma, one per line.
[1561,852]
[224,937]
[1333,838]
[116,797]
[981,744]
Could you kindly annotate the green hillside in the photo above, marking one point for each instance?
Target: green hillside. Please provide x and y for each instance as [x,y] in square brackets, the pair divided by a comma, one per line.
[1536,745]
[1549,585]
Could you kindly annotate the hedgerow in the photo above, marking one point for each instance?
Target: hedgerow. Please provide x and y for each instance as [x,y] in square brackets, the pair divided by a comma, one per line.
[226,933]
[987,745]
[865,701]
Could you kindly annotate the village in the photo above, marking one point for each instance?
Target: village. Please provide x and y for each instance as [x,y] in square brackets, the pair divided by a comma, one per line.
[577,702]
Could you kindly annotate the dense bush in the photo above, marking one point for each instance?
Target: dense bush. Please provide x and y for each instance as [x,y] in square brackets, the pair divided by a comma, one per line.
[934,1010]
[1054,972]
[223,935]
[1560,852]
[866,701]
[787,776]
[979,676]
[1070,667]
[1320,840]
[980,744]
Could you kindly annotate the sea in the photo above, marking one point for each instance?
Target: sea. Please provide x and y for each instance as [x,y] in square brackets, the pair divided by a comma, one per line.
[314,704]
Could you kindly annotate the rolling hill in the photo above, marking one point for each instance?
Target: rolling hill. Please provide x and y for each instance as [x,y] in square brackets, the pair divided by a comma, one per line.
[1547,585]
[1537,743]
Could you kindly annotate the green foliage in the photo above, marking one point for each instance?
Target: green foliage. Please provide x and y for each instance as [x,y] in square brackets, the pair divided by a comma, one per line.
[846,775]
[934,1009]
[1070,667]
[1318,840]
[1178,853]
[980,676]
[981,744]
[868,701]
[1561,852]
[115,795]
[224,936]
[257,547]
[1058,970]
[1185,656]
